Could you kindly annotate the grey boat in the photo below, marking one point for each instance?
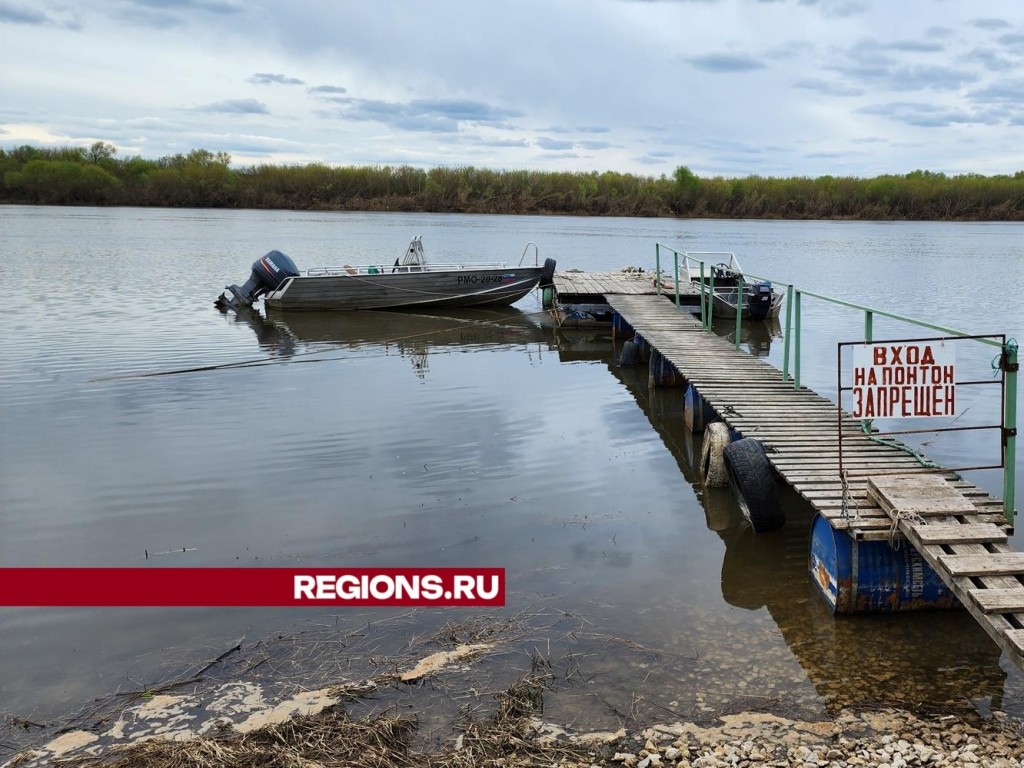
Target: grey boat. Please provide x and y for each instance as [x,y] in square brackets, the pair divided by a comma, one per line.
[760,300]
[411,282]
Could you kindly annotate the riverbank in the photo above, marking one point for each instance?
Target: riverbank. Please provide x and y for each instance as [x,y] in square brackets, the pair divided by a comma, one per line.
[481,692]
[317,728]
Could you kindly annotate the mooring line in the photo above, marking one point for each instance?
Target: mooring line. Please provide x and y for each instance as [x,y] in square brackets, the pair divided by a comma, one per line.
[261,361]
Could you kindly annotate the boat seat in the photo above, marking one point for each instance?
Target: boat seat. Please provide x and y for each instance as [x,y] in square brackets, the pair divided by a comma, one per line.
[350,269]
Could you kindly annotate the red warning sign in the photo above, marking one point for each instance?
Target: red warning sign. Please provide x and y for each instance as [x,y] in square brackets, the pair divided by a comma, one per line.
[904,380]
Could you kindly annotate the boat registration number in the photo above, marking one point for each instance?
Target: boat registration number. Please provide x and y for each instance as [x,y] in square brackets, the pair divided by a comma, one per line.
[479,279]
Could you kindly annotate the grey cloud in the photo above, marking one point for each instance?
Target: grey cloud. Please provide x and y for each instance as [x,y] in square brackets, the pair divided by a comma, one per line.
[167,14]
[927,115]
[327,89]
[487,142]
[1003,92]
[661,154]
[725,62]
[990,23]
[652,158]
[557,156]
[914,46]
[838,8]
[991,60]
[211,6]
[1012,40]
[870,63]
[267,78]
[937,31]
[437,115]
[594,145]
[935,77]
[463,109]
[829,88]
[18,14]
[236,106]
[553,144]
[593,128]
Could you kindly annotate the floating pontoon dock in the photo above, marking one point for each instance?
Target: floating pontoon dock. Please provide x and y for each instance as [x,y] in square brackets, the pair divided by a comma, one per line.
[885,489]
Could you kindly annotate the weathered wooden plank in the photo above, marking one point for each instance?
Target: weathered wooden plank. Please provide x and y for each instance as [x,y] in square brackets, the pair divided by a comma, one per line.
[1015,637]
[956,533]
[1008,600]
[918,494]
[983,564]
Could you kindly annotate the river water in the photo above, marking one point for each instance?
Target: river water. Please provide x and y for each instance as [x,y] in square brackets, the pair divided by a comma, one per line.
[486,439]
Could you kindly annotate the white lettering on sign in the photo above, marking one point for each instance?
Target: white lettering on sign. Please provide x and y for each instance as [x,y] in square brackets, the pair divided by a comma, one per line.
[902,381]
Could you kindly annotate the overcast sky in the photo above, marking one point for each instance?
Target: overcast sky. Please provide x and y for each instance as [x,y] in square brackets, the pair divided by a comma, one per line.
[730,87]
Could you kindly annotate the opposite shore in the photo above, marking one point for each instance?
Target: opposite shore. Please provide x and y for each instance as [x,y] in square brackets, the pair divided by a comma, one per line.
[203,179]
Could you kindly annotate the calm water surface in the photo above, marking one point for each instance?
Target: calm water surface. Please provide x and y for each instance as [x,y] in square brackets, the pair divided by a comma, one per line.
[476,439]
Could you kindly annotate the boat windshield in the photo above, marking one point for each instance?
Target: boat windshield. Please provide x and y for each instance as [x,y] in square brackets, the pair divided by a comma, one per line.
[723,264]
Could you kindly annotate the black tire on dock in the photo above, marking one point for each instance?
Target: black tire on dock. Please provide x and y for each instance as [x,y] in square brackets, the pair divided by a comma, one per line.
[547,275]
[753,484]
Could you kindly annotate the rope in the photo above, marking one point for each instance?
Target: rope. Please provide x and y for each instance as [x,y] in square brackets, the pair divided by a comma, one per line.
[894,529]
[998,362]
[889,442]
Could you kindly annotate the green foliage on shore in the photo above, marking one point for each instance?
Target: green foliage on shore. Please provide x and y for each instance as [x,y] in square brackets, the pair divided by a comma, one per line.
[97,176]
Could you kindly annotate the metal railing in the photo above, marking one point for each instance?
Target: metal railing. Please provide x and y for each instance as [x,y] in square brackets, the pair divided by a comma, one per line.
[1008,349]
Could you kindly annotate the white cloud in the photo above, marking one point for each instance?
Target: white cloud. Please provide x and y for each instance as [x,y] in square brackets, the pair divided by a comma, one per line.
[731,87]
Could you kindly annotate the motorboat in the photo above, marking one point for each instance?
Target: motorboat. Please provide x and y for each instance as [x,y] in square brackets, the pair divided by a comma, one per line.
[410,282]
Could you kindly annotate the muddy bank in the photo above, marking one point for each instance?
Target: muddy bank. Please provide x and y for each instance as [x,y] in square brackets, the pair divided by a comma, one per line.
[532,689]
[317,729]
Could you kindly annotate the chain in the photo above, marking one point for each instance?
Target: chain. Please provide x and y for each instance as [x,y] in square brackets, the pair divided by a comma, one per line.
[894,529]
[848,498]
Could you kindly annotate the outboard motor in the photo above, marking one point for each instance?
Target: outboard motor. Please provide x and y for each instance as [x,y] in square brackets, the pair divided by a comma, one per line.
[759,300]
[267,275]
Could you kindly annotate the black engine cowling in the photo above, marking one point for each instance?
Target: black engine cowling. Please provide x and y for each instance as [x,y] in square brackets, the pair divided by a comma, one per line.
[268,273]
[759,300]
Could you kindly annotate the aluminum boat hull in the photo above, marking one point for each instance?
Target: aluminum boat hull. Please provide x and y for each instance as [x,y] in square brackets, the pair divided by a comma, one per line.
[438,288]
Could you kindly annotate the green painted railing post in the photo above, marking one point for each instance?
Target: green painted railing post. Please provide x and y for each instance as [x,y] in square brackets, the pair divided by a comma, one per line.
[675,272]
[869,330]
[703,311]
[739,309]
[711,300]
[657,267]
[796,343]
[789,327]
[1010,425]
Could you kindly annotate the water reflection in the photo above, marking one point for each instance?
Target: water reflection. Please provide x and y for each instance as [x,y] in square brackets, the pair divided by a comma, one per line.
[755,335]
[851,661]
[410,334]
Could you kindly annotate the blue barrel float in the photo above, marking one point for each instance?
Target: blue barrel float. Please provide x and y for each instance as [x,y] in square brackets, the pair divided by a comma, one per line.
[697,414]
[871,576]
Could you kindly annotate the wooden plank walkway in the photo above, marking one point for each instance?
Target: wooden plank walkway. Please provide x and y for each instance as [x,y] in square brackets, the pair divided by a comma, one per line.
[958,528]
[575,283]
[798,426]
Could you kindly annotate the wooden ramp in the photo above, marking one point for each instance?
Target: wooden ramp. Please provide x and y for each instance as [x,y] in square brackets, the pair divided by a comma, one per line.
[969,553]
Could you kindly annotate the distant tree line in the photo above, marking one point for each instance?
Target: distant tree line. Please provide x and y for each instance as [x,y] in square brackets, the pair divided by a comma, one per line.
[97,176]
